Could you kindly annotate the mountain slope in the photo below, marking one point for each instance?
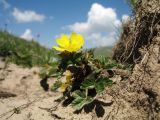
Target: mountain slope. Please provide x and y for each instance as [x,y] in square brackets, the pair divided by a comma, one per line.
[103,51]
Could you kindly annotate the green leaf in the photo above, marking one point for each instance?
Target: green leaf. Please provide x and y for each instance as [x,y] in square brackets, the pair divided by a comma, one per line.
[101,84]
[80,103]
[110,65]
[52,71]
[56,85]
[88,84]
[56,74]
[109,82]
[78,94]
[80,100]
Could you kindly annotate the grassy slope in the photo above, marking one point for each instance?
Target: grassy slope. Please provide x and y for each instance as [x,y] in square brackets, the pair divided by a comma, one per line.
[103,51]
[23,52]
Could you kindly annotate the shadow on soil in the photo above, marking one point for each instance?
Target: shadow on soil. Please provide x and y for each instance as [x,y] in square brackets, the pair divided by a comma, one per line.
[97,105]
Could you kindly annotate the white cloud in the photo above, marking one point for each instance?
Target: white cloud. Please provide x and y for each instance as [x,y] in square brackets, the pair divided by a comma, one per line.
[100,25]
[5,4]
[125,18]
[27,16]
[27,35]
[98,39]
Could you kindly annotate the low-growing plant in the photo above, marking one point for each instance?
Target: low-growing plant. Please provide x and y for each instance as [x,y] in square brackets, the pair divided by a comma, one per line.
[78,73]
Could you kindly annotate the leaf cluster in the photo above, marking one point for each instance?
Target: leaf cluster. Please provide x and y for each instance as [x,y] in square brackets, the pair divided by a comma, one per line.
[87,80]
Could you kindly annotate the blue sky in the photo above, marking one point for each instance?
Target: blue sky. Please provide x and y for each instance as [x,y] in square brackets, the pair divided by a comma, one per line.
[96,20]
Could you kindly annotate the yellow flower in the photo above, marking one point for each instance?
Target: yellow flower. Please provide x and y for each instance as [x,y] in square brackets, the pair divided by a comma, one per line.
[65,84]
[70,44]
[63,87]
[68,75]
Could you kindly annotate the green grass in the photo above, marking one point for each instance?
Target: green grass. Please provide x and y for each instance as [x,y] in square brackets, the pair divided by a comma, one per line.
[23,52]
[103,51]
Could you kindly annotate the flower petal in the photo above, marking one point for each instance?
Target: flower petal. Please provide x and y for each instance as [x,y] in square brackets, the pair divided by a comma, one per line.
[58,48]
[63,87]
[77,41]
[72,48]
[77,38]
[63,41]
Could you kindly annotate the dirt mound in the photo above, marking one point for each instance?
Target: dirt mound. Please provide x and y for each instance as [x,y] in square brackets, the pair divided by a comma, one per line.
[140,45]
[138,32]
[141,93]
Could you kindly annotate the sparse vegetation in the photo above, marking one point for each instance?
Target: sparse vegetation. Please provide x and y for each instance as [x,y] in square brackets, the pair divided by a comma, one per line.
[25,53]
[103,51]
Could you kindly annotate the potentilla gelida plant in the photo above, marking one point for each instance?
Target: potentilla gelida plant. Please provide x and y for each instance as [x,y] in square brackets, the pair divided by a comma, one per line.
[79,73]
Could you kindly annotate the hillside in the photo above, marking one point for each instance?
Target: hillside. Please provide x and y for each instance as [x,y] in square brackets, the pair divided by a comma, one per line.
[23,52]
[103,51]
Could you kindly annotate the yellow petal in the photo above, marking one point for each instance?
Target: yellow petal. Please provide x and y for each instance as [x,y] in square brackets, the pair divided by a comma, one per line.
[73,48]
[63,87]
[77,42]
[63,41]
[68,73]
[68,79]
[77,39]
[58,48]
